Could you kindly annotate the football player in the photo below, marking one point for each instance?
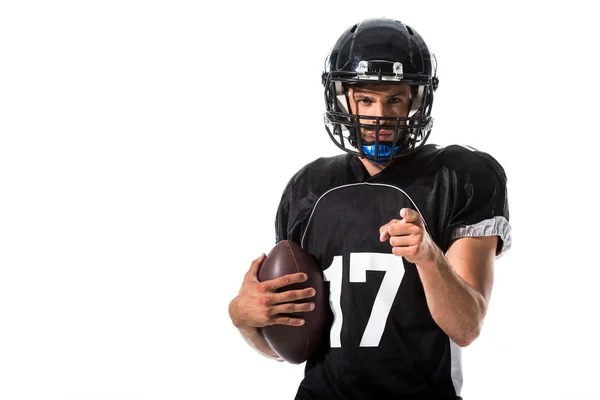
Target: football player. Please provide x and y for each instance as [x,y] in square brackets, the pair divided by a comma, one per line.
[406,232]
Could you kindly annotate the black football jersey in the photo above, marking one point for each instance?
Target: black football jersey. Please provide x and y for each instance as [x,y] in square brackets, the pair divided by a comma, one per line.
[381,341]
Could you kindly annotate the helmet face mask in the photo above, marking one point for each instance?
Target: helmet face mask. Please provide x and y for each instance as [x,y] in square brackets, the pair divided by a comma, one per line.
[379,52]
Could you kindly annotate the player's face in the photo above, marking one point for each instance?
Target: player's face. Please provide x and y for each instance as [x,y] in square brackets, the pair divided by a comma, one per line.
[379,100]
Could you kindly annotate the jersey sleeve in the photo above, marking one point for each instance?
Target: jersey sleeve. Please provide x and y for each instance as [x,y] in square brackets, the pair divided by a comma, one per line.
[298,198]
[480,206]
[290,215]
[282,216]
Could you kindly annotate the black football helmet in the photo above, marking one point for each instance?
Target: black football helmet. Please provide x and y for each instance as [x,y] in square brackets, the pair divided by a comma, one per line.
[379,51]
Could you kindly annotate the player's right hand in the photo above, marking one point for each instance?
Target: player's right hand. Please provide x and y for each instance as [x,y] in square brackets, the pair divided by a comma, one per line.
[259,304]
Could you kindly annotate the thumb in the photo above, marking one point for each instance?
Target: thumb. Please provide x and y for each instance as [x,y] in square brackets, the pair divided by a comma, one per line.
[410,215]
[252,273]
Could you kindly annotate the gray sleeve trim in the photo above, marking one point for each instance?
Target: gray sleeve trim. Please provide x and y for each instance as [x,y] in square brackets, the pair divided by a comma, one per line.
[497,226]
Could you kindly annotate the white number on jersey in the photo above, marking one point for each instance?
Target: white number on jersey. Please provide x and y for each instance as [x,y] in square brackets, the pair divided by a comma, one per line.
[360,263]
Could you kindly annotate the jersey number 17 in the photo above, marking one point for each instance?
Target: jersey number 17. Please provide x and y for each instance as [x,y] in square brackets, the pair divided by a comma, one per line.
[360,263]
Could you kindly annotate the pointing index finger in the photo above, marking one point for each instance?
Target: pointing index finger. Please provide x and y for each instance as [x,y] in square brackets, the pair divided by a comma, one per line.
[384,232]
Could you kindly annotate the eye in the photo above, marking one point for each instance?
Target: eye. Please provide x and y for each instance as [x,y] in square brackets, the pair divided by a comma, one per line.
[396,100]
[364,100]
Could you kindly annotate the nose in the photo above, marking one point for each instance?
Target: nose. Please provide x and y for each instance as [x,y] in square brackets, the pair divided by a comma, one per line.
[379,109]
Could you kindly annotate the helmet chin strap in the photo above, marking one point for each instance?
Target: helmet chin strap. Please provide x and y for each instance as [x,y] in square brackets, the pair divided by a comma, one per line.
[384,151]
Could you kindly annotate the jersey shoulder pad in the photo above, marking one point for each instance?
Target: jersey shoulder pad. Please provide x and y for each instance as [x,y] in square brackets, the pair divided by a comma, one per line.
[464,159]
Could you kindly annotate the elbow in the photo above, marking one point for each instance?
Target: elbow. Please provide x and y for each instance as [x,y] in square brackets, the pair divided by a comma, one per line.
[473,329]
[466,339]
[467,336]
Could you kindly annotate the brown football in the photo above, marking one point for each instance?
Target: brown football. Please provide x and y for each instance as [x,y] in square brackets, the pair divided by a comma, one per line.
[295,344]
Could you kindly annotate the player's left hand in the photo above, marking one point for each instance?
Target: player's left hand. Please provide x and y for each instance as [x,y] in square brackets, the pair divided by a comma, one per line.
[409,238]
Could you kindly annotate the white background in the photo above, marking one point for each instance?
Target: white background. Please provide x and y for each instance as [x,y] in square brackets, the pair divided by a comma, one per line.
[144,147]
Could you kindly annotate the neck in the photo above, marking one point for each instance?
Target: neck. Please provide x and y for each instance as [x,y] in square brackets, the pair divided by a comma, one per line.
[373,168]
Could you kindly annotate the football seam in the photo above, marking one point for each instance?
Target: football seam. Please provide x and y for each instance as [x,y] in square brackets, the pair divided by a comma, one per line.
[306,330]
[292,254]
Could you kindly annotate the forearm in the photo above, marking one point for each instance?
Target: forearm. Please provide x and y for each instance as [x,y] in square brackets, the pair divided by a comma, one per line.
[252,335]
[456,307]
[255,339]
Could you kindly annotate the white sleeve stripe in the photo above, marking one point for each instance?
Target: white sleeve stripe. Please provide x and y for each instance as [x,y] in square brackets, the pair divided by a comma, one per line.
[497,226]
